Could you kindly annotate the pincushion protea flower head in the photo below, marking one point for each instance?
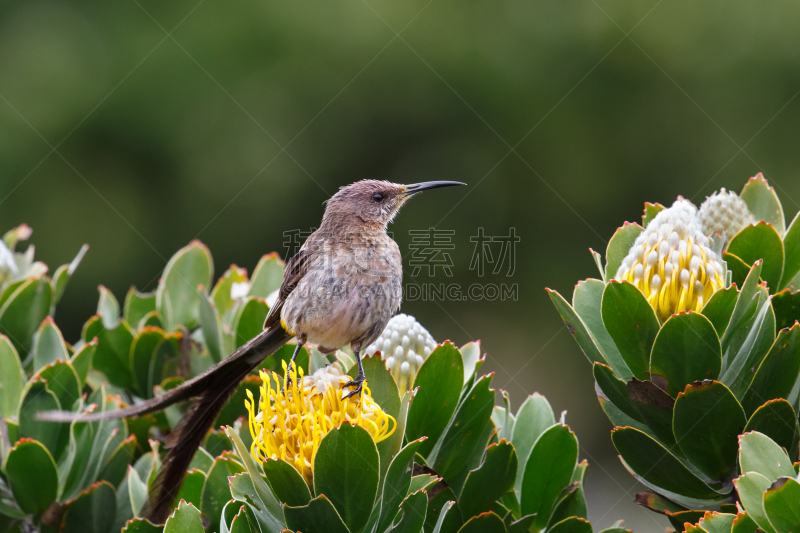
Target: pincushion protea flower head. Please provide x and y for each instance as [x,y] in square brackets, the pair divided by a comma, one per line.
[672,262]
[725,213]
[404,345]
[292,418]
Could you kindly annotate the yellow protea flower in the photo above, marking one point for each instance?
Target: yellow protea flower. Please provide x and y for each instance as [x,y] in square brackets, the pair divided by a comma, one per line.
[293,418]
[672,262]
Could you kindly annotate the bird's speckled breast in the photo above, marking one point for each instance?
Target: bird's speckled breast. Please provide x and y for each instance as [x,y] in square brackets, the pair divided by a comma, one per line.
[352,287]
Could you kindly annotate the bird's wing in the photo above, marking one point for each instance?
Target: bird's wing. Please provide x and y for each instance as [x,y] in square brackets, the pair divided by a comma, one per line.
[296,268]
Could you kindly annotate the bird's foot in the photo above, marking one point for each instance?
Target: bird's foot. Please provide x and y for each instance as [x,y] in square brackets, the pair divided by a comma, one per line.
[358,383]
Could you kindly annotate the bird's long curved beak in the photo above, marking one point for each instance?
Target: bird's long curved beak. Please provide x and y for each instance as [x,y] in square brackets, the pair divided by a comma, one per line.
[414,188]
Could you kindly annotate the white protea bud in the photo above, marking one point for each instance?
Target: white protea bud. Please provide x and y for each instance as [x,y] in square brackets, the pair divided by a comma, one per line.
[672,262]
[725,213]
[404,345]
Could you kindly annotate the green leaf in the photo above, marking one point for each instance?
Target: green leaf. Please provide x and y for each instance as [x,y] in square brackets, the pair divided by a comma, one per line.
[116,465]
[215,490]
[651,461]
[719,308]
[587,302]
[761,241]
[716,522]
[632,323]
[32,474]
[777,420]
[267,276]
[93,511]
[138,305]
[240,523]
[614,390]
[192,488]
[737,267]
[12,378]
[222,290]
[286,482]
[142,357]
[381,383]
[442,516]
[655,407]
[791,244]
[743,524]
[463,432]
[777,373]
[686,349]
[570,502]
[211,323]
[36,396]
[786,305]
[493,478]
[522,525]
[347,470]
[270,510]
[439,380]
[758,453]
[62,276]
[781,505]
[202,460]
[23,311]
[141,525]
[576,328]
[63,381]
[707,420]
[82,360]
[184,519]
[49,345]
[750,488]
[619,245]
[250,320]
[484,523]
[397,483]
[533,418]
[412,514]
[747,304]
[389,447]
[108,308]
[548,470]
[177,299]
[650,212]
[319,516]
[112,356]
[572,525]
[762,201]
[235,408]
[422,481]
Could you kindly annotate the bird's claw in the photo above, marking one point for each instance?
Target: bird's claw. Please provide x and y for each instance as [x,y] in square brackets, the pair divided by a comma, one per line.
[358,383]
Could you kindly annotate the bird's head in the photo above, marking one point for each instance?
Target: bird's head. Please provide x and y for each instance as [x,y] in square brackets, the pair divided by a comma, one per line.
[374,202]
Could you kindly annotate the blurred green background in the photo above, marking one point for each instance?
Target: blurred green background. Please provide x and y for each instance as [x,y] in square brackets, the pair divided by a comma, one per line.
[138,126]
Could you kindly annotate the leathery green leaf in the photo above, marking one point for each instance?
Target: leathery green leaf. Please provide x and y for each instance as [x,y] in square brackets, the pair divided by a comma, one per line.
[493,478]
[750,488]
[761,241]
[439,379]
[786,305]
[655,464]
[655,407]
[38,397]
[221,294]
[759,453]
[777,373]
[619,245]
[777,420]
[184,519]
[533,417]
[346,470]
[211,323]
[716,522]
[576,327]
[707,420]
[63,381]
[267,276]
[31,472]
[286,482]
[413,510]
[249,321]
[177,300]
[484,523]
[112,356]
[49,345]
[587,302]
[137,305]
[216,491]
[632,323]
[719,308]
[92,511]
[791,243]
[547,471]
[192,488]
[615,390]
[12,378]
[743,524]
[762,201]
[686,350]
[572,524]
[781,505]
[23,311]
[397,483]
[82,359]
[319,516]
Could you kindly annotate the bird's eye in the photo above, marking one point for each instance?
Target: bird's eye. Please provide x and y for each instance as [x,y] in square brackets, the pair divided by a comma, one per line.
[378,197]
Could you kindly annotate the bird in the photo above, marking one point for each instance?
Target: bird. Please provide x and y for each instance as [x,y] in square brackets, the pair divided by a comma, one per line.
[341,288]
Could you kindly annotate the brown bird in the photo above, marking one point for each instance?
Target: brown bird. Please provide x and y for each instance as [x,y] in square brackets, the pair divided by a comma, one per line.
[340,289]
